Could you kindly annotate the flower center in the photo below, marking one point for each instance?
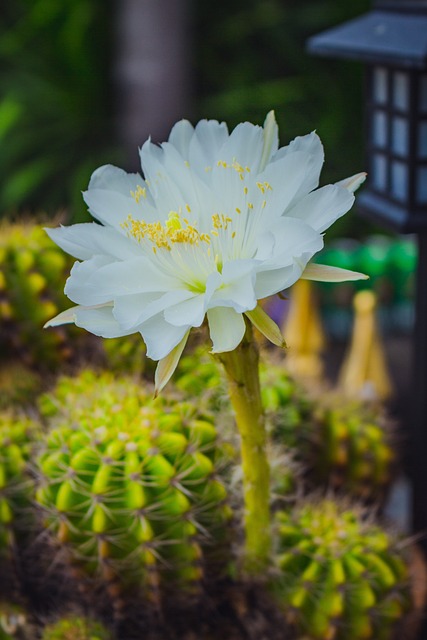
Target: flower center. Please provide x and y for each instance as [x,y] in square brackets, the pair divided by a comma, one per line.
[163,236]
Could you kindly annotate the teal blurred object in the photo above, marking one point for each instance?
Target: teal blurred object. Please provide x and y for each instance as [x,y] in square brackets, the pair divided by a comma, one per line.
[390,263]
[55,107]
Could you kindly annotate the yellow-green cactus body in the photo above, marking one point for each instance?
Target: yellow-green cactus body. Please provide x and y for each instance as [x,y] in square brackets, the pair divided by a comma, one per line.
[339,578]
[129,485]
[16,435]
[32,271]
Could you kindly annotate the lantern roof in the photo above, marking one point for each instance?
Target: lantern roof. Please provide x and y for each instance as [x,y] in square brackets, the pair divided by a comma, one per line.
[394,33]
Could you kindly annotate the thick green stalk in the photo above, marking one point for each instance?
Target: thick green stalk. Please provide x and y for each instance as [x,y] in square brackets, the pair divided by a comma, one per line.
[241,366]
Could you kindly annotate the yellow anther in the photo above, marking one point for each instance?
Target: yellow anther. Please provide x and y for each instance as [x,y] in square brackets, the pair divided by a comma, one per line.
[248,169]
[233,235]
[250,205]
[245,191]
[141,192]
[187,206]
[187,164]
[261,187]
[238,210]
[264,202]
[268,186]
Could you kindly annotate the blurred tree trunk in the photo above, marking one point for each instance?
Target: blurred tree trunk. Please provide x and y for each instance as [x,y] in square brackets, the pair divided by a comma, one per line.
[152,70]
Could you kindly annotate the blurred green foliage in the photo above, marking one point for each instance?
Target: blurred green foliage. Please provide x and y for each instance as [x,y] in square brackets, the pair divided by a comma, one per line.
[55,107]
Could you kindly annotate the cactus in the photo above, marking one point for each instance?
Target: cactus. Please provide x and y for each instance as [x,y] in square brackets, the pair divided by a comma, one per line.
[129,486]
[32,271]
[351,449]
[343,444]
[75,627]
[339,577]
[16,436]
[199,376]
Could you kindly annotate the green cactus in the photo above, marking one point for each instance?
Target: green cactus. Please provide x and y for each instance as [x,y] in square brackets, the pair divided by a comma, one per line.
[16,437]
[32,271]
[346,446]
[76,627]
[130,486]
[339,577]
[352,449]
[200,376]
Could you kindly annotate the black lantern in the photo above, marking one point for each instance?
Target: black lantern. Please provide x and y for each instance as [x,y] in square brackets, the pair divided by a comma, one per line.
[392,41]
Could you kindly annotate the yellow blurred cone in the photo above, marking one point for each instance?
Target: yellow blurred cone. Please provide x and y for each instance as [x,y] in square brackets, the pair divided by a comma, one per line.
[364,372]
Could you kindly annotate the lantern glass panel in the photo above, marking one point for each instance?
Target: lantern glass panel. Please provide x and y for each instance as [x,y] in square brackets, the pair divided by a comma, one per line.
[399,180]
[400,136]
[422,140]
[400,91]
[422,185]
[379,172]
[380,85]
[379,129]
[423,93]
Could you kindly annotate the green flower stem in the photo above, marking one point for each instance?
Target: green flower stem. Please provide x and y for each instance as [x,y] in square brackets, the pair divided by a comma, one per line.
[241,366]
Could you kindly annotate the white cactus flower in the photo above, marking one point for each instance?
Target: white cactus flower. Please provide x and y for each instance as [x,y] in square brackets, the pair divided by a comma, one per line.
[220,221]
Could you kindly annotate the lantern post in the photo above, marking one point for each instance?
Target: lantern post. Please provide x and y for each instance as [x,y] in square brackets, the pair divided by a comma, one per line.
[391,40]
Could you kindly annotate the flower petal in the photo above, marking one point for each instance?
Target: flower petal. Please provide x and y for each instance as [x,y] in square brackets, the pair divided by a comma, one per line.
[326,273]
[112,178]
[227,328]
[113,208]
[205,147]
[132,310]
[180,137]
[322,207]
[237,286]
[85,240]
[167,365]
[161,337]
[245,146]
[313,148]
[98,280]
[97,319]
[271,140]
[262,321]
[353,183]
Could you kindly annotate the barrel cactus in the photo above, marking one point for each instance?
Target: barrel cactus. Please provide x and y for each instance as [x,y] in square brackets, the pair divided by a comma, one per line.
[32,271]
[199,376]
[352,449]
[339,577]
[16,437]
[347,445]
[130,489]
[75,627]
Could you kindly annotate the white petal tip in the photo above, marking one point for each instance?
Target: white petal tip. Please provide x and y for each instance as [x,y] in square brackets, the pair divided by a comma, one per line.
[65,317]
[354,182]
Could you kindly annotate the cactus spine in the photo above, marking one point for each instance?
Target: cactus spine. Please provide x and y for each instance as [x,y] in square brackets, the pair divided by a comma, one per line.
[339,578]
